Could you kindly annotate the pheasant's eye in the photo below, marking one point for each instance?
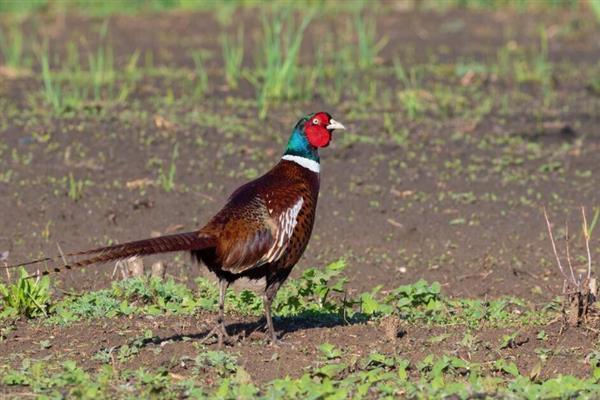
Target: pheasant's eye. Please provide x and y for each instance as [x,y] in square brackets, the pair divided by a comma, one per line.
[316,121]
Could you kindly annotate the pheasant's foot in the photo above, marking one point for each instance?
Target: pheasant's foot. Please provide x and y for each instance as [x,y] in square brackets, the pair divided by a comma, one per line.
[222,336]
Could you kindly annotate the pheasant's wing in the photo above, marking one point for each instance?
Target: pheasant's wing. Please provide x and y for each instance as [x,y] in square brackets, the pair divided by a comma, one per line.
[283,221]
[255,228]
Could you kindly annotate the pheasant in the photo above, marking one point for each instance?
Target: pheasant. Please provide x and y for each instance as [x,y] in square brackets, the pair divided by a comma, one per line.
[261,232]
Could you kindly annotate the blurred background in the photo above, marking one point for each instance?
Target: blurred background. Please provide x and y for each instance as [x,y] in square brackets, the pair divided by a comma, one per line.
[123,119]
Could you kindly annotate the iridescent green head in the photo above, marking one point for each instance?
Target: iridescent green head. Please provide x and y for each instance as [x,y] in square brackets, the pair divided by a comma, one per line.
[312,132]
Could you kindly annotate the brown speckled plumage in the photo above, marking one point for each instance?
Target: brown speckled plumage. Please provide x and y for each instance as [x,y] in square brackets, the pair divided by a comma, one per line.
[245,229]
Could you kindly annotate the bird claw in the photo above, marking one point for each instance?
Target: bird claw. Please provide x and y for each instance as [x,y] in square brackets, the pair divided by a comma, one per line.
[222,336]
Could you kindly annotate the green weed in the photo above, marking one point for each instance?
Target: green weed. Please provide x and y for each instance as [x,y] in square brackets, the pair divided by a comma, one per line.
[12,47]
[336,69]
[543,68]
[319,294]
[278,77]
[410,79]
[52,91]
[329,351]
[76,187]
[151,296]
[233,55]
[201,74]
[156,296]
[166,179]
[313,293]
[98,304]
[223,363]
[245,302]
[411,103]
[372,306]
[76,83]
[419,294]
[375,375]
[523,67]
[411,95]
[398,135]
[27,297]
[368,46]
[595,218]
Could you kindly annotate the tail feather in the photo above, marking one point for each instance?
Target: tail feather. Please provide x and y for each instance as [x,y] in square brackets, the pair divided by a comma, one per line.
[39,260]
[164,244]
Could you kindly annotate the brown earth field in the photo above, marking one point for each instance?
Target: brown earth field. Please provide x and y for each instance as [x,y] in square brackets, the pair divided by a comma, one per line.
[441,175]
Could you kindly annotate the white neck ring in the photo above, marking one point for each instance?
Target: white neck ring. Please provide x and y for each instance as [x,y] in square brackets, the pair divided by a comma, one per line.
[307,163]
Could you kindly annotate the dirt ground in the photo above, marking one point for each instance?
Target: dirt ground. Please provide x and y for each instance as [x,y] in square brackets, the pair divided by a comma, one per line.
[459,202]
[174,340]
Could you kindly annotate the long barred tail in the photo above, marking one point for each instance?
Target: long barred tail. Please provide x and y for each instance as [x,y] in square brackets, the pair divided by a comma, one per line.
[188,241]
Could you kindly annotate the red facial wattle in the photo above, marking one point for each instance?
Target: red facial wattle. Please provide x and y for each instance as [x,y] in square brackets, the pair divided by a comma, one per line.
[318,129]
[318,136]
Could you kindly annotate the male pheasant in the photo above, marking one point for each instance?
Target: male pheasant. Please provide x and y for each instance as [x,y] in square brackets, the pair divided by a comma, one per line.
[262,230]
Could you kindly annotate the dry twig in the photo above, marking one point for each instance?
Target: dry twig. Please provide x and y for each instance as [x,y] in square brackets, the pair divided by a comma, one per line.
[578,293]
[560,267]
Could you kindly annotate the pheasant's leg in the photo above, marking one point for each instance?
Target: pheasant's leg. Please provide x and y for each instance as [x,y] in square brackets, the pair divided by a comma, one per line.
[268,300]
[223,284]
[273,283]
[219,329]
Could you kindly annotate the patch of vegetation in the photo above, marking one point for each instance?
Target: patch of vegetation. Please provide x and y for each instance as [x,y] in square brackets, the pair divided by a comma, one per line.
[376,375]
[90,84]
[75,188]
[233,56]
[201,86]
[319,295]
[166,177]
[317,291]
[278,77]
[224,364]
[150,296]
[29,298]
[368,45]
[12,43]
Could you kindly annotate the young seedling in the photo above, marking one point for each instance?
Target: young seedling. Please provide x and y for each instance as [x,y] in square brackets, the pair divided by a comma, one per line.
[12,48]
[233,55]
[280,73]
[201,73]
[167,178]
[75,188]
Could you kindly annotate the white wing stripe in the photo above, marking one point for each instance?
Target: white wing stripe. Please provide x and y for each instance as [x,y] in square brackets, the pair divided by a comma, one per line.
[286,222]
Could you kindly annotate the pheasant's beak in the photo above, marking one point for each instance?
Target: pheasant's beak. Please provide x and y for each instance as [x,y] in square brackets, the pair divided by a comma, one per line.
[333,124]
